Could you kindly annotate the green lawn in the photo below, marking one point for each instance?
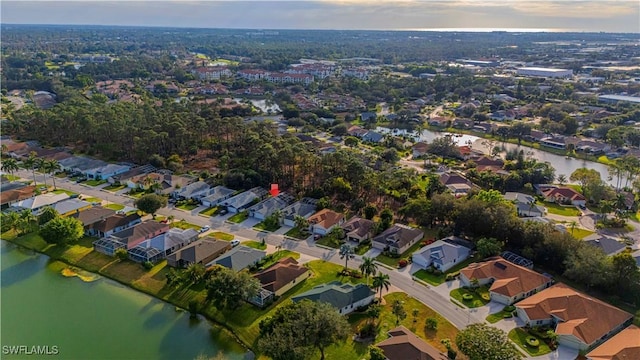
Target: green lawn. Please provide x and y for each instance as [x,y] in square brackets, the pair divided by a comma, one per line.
[92,199]
[635,217]
[476,301]
[393,261]
[297,233]
[222,235]
[554,208]
[579,233]
[239,217]
[362,248]
[263,226]
[114,206]
[255,244]
[519,336]
[184,225]
[114,188]
[95,182]
[329,241]
[500,315]
[436,280]
[12,177]
[63,191]
[187,206]
[276,256]
[209,211]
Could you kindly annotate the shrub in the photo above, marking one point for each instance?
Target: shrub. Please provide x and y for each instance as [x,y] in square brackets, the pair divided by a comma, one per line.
[437,272]
[531,341]
[432,324]
[509,308]
[429,270]
[508,315]
[467,297]
[402,263]
[485,297]
[121,254]
[368,330]
[147,265]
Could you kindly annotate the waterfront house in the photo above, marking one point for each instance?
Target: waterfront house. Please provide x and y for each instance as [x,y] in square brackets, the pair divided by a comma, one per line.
[564,195]
[113,224]
[443,254]
[39,202]
[13,196]
[203,252]
[278,279]
[508,282]
[580,320]
[397,239]
[346,298]
[402,344]
[240,258]
[91,216]
[69,207]
[143,231]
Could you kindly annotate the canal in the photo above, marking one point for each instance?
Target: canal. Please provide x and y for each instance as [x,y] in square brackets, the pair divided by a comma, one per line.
[94,318]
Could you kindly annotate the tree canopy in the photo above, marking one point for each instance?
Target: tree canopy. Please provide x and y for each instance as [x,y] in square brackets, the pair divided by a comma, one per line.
[150,203]
[62,230]
[483,342]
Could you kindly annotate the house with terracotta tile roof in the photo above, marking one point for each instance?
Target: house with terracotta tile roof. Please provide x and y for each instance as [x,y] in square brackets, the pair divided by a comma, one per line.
[564,195]
[509,282]
[322,222]
[580,321]
[112,224]
[625,345]
[402,344]
[278,279]
[13,196]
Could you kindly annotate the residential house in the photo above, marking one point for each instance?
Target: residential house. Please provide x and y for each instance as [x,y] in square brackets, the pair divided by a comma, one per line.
[463,123]
[373,137]
[107,171]
[172,183]
[70,207]
[216,196]
[625,345]
[525,204]
[397,239]
[144,180]
[135,235]
[91,216]
[240,258]
[39,202]
[439,121]
[113,224]
[402,344]
[304,208]
[124,177]
[80,164]
[278,279]
[172,240]
[192,191]
[266,208]
[608,245]
[322,222]
[357,131]
[420,149]
[485,127]
[443,254]
[509,282]
[564,195]
[203,251]
[358,229]
[553,142]
[11,197]
[108,245]
[244,199]
[367,116]
[447,179]
[346,298]
[580,320]
[142,254]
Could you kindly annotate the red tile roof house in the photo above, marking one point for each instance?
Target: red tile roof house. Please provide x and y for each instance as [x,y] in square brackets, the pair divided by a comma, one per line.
[402,344]
[564,195]
[624,346]
[278,279]
[322,222]
[509,282]
[580,321]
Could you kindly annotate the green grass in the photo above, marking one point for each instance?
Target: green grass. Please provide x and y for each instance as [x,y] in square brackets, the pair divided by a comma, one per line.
[263,226]
[329,241]
[12,177]
[92,199]
[436,280]
[95,182]
[393,261]
[114,188]
[635,217]
[222,235]
[187,206]
[184,225]
[239,217]
[255,244]
[519,336]
[477,301]
[500,315]
[297,233]
[209,211]
[554,208]
[115,207]
[276,256]
[362,249]
[63,191]
[579,233]
[605,160]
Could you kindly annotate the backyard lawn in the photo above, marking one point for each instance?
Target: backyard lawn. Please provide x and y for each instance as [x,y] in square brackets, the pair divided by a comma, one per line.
[474,300]
[436,280]
[209,211]
[114,206]
[520,336]
[114,188]
[297,233]
[239,217]
[554,208]
[184,225]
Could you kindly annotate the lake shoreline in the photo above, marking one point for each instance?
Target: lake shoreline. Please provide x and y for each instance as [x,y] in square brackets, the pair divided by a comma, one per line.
[230,332]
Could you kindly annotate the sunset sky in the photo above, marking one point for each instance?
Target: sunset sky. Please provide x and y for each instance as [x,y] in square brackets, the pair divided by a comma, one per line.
[550,15]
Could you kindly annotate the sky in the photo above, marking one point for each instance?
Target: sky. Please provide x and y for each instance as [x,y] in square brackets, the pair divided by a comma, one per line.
[545,15]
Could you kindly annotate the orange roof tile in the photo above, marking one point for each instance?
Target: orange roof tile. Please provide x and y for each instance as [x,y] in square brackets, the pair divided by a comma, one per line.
[624,346]
[510,279]
[326,218]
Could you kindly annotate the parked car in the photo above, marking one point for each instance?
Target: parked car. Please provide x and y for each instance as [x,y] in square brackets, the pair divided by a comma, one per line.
[205,228]
[235,243]
[582,207]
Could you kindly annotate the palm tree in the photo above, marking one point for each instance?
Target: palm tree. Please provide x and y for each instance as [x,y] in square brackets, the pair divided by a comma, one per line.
[606,206]
[51,167]
[40,165]
[10,165]
[381,281]
[26,220]
[11,219]
[346,253]
[301,222]
[368,267]
[30,164]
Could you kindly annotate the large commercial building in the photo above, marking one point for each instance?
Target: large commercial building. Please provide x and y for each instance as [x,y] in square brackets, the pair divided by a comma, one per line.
[545,72]
[619,98]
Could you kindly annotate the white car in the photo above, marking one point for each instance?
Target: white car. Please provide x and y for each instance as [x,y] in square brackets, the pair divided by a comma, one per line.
[235,243]
[205,228]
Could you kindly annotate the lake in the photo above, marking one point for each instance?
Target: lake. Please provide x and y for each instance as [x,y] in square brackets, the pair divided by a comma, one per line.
[95,320]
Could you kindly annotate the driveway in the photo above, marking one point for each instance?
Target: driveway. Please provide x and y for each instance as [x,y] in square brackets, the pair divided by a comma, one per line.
[372,253]
[562,353]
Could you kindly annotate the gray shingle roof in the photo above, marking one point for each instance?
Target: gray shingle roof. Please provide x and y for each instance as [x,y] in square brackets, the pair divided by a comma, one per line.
[337,294]
[69,205]
[240,257]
